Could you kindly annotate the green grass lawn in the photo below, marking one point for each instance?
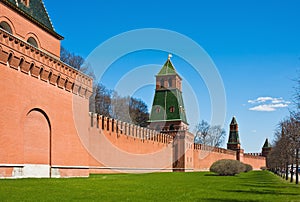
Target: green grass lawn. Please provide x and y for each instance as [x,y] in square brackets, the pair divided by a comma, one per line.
[203,186]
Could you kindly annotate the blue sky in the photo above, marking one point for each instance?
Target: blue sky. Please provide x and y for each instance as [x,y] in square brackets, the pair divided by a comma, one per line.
[254,44]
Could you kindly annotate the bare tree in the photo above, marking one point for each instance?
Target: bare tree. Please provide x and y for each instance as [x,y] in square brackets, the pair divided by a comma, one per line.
[71,59]
[287,143]
[76,61]
[107,102]
[130,110]
[101,100]
[120,108]
[138,111]
[209,135]
[284,153]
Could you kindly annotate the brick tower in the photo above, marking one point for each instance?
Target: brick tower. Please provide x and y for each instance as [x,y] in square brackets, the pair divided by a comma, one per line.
[234,140]
[266,148]
[39,92]
[168,112]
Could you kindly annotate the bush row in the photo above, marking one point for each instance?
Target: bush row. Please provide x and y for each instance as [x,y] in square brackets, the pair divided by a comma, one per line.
[229,167]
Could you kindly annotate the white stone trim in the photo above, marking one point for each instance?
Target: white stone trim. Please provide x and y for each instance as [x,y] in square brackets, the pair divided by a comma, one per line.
[71,167]
[36,170]
[11,165]
[128,168]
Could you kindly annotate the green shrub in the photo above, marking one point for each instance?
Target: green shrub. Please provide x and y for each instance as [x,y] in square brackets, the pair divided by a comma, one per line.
[227,167]
[248,168]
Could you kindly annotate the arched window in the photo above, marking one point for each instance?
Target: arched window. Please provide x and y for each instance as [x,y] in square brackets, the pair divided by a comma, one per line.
[172,109]
[32,41]
[170,82]
[25,2]
[162,83]
[157,109]
[6,27]
[171,127]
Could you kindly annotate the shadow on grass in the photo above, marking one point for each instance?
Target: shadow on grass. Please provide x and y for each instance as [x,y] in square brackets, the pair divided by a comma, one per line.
[268,186]
[228,200]
[211,174]
[272,192]
[217,175]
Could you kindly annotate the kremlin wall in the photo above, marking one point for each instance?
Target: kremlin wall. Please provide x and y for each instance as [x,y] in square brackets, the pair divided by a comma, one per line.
[46,129]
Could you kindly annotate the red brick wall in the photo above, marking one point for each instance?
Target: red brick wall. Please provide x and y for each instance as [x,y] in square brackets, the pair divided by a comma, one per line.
[255,161]
[25,138]
[139,150]
[205,156]
[6,172]
[36,108]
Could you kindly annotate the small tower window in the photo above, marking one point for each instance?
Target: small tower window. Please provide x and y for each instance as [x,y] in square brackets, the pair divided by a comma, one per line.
[6,27]
[32,41]
[25,2]
[162,81]
[170,82]
[172,109]
[157,109]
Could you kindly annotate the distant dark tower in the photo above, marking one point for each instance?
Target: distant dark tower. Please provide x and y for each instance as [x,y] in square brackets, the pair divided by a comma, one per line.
[234,140]
[168,112]
[266,148]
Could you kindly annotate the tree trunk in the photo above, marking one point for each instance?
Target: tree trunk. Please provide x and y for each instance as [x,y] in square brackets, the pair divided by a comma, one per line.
[292,172]
[297,166]
[286,171]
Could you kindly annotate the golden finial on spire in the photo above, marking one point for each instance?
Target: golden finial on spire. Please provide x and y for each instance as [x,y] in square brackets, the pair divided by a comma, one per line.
[169,56]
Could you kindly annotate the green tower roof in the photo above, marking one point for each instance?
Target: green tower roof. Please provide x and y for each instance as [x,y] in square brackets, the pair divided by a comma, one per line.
[168,106]
[267,144]
[233,121]
[167,69]
[35,12]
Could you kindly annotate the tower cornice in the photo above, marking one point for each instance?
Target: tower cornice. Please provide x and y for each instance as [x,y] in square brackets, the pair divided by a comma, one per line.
[32,19]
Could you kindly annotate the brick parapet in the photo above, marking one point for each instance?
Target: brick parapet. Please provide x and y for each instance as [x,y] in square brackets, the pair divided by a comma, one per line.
[254,156]
[213,149]
[122,128]
[22,56]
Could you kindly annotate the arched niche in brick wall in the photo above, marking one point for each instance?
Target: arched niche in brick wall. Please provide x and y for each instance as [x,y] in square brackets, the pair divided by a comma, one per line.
[37,138]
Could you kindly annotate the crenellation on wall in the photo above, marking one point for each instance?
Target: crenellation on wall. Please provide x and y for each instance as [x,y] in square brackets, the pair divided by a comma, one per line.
[35,71]
[257,162]
[254,155]
[61,82]
[20,55]
[13,61]
[117,127]
[213,149]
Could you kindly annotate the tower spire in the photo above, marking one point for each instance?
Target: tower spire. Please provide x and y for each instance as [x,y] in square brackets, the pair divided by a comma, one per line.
[266,148]
[234,139]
